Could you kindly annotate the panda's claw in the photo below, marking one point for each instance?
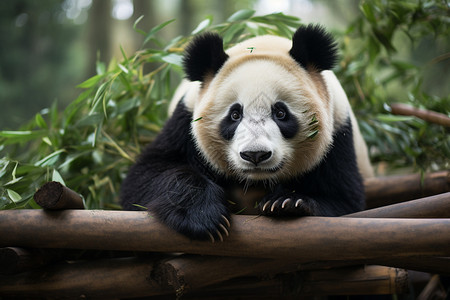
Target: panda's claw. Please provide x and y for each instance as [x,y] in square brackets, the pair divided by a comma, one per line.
[265,206]
[224,229]
[210,236]
[227,222]
[273,205]
[298,202]
[220,235]
[283,205]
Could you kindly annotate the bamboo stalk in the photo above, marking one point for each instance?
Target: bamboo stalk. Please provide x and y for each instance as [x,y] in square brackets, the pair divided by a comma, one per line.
[300,239]
[53,195]
[381,191]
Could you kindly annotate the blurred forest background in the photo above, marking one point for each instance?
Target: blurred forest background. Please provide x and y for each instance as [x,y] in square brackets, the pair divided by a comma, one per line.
[85,84]
[48,47]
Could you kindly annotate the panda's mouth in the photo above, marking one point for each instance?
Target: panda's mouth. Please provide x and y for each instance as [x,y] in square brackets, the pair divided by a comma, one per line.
[259,170]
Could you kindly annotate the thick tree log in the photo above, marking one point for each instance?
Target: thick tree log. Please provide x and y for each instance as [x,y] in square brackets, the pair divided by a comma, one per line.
[105,279]
[381,191]
[305,239]
[53,195]
[360,280]
[424,114]
[14,260]
[437,206]
[187,272]
[125,278]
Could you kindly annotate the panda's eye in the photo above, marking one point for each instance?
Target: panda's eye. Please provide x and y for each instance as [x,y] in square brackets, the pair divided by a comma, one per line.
[280,114]
[235,115]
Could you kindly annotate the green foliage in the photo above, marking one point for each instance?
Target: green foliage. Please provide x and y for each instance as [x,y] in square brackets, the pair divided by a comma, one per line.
[381,64]
[92,142]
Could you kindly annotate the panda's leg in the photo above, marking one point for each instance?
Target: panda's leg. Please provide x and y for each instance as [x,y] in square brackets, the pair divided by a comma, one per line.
[333,188]
[171,186]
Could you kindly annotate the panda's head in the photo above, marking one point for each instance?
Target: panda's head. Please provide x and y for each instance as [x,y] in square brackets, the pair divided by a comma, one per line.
[263,111]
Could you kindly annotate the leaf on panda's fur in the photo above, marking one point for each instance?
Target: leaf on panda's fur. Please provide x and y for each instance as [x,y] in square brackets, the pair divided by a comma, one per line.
[313,134]
[140,206]
[313,120]
[198,119]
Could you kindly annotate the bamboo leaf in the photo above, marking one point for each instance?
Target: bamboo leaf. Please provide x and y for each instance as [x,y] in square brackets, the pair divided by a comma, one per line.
[154,30]
[57,177]
[202,26]
[40,121]
[49,159]
[135,26]
[90,82]
[14,196]
[241,15]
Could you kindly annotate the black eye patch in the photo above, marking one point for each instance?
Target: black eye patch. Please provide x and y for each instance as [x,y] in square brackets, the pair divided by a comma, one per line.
[285,120]
[231,121]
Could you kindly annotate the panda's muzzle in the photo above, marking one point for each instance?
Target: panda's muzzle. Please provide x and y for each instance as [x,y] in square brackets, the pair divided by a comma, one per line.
[255,157]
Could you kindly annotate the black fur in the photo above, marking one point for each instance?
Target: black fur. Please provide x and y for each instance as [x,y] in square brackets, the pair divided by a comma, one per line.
[204,56]
[333,188]
[288,124]
[228,126]
[170,179]
[314,48]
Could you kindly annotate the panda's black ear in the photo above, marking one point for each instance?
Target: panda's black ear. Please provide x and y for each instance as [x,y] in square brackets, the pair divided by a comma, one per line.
[204,56]
[313,47]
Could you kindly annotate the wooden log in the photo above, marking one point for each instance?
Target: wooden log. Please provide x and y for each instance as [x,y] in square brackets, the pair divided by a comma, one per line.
[15,260]
[360,280]
[300,239]
[104,279]
[129,277]
[187,272]
[54,195]
[424,114]
[382,191]
[434,265]
[437,206]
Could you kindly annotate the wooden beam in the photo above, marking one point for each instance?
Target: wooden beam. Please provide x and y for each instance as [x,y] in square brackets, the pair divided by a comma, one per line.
[301,239]
[381,191]
[437,206]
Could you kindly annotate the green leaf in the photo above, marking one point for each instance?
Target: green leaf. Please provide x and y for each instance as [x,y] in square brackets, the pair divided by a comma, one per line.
[49,159]
[90,82]
[367,10]
[135,26]
[393,118]
[40,121]
[14,196]
[202,26]
[233,32]
[241,15]
[174,59]
[57,177]
[21,136]
[89,120]
[154,30]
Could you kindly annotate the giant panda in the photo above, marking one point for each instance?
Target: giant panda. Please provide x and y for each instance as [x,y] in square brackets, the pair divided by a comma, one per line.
[268,118]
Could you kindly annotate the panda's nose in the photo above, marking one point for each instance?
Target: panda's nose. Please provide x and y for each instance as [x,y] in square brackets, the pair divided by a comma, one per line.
[256,157]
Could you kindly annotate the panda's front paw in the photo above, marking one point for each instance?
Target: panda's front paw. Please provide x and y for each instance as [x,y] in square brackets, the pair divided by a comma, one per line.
[205,224]
[287,204]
